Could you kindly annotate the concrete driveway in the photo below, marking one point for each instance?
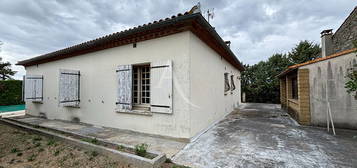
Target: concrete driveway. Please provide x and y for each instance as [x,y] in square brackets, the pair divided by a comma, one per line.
[262,135]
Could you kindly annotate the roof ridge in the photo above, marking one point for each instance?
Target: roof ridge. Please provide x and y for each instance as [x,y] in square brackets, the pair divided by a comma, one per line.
[122,31]
[354,10]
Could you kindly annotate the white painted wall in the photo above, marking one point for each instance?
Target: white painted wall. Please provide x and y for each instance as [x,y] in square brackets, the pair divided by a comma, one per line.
[208,102]
[99,83]
[327,83]
[198,87]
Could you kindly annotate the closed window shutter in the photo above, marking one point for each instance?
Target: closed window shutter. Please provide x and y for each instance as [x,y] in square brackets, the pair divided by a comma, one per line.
[161,86]
[69,88]
[124,92]
[33,87]
[232,83]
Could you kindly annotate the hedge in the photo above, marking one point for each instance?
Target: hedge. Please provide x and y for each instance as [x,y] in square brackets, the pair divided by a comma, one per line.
[10,92]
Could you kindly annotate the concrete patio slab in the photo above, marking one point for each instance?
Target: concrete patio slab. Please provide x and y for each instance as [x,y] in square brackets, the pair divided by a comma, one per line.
[156,143]
[262,135]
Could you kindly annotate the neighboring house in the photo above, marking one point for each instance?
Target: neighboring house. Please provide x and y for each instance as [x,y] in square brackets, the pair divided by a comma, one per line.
[174,77]
[307,89]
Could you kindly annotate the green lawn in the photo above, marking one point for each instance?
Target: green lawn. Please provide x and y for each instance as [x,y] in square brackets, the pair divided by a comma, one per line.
[12,108]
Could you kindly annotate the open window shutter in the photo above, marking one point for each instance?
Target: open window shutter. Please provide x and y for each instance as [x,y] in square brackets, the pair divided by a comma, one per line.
[33,86]
[161,86]
[69,88]
[124,95]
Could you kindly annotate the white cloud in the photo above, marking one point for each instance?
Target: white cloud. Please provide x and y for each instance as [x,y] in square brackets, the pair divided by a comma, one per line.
[257,29]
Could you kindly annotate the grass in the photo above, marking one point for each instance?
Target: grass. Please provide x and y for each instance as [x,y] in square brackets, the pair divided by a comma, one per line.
[91,140]
[14,150]
[51,142]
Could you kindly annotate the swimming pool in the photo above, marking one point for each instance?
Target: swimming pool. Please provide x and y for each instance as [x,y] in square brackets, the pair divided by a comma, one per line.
[12,108]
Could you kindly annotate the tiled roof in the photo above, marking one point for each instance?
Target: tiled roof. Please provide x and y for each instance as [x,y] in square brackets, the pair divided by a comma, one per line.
[290,68]
[189,21]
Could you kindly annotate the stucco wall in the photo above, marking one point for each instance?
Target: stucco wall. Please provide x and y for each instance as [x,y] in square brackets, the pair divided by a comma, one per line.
[99,87]
[208,103]
[327,80]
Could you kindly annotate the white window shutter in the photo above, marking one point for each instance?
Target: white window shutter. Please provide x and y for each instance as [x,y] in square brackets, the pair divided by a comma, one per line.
[124,92]
[33,88]
[69,88]
[161,86]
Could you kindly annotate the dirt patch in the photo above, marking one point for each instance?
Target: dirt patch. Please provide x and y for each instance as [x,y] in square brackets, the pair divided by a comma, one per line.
[19,148]
[22,149]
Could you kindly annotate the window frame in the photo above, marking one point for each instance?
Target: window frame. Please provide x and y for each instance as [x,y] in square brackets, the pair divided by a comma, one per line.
[138,69]
[294,88]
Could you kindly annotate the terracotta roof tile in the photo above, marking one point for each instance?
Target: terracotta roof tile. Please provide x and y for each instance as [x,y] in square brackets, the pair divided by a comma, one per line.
[102,42]
[290,68]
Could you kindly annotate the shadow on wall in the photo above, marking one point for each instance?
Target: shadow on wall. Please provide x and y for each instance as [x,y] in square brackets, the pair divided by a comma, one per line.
[329,86]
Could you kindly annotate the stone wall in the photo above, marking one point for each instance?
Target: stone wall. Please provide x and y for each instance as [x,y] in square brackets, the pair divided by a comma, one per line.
[346,34]
[283,99]
[304,97]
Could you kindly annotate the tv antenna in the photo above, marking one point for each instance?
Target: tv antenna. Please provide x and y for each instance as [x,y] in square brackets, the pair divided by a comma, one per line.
[210,14]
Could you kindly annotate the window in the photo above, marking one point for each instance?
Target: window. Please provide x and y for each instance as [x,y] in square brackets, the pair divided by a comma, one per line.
[294,88]
[141,85]
[232,83]
[33,88]
[145,87]
[69,88]
[226,83]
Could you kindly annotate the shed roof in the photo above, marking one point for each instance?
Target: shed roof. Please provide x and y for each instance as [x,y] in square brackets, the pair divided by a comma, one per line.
[291,68]
[188,21]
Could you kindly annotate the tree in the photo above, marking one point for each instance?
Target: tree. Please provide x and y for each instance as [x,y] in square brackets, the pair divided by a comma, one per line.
[5,69]
[260,82]
[351,84]
[304,51]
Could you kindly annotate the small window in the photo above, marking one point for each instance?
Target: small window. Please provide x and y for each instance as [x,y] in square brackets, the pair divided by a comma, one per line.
[294,88]
[141,85]
[226,83]
[145,87]
[232,83]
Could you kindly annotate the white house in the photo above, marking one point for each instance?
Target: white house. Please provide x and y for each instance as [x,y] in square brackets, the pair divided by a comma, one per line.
[174,77]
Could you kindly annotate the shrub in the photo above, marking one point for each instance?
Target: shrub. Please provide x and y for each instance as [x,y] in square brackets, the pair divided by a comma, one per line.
[14,150]
[51,142]
[91,140]
[57,152]
[31,158]
[10,92]
[120,147]
[141,149]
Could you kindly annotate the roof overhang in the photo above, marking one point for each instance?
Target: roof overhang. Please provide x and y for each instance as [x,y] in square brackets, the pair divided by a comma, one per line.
[195,23]
[296,66]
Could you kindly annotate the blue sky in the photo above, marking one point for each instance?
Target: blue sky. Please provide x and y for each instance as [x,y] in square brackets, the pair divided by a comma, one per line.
[256,28]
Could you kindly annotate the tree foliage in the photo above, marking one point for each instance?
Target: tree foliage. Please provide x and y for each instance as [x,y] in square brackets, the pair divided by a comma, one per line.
[351,83]
[304,51]
[5,69]
[260,82]
[10,92]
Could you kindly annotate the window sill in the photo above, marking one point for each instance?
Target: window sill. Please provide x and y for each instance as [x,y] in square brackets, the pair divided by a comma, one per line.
[296,101]
[136,112]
